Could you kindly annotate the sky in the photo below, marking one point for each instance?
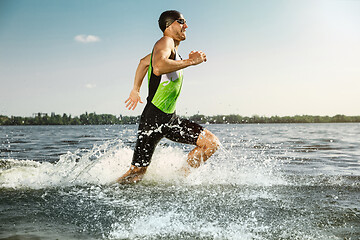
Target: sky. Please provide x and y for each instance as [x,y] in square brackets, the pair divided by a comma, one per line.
[265,57]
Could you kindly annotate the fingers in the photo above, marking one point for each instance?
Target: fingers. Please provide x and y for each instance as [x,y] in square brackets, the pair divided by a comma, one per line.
[203,55]
[134,106]
[197,52]
[198,57]
[131,104]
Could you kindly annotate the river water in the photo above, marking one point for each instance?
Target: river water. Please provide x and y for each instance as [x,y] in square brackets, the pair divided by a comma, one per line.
[268,181]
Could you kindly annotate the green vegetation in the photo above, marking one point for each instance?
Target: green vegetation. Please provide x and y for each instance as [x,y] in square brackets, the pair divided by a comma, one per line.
[56,119]
[102,119]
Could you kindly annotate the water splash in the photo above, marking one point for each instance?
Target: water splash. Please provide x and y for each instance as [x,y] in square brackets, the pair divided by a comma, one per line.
[104,163]
[174,225]
[99,165]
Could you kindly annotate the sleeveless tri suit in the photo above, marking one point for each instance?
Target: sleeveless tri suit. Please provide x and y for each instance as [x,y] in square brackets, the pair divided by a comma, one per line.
[159,119]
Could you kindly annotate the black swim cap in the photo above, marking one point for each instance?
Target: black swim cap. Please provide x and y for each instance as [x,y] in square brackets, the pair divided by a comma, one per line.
[167,18]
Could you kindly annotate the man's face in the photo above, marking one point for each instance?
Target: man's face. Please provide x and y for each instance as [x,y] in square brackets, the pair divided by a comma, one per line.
[179,27]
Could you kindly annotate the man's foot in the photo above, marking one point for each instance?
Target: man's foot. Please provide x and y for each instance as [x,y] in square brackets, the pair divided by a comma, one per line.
[133,175]
[184,171]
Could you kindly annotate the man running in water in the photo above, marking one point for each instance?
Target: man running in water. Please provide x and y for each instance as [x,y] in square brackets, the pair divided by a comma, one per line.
[165,75]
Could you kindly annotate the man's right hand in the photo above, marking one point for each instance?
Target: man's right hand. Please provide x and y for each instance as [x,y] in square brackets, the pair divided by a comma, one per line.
[133,100]
[197,57]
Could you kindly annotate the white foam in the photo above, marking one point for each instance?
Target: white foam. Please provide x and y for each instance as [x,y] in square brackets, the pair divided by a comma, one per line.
[108,161]
[173,224]
[101,165]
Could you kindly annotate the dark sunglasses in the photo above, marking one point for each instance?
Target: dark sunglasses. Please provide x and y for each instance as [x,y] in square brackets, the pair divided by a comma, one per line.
[181,21]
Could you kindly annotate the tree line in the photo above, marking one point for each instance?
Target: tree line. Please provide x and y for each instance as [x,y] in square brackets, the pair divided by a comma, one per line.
[65,119]
[106,119]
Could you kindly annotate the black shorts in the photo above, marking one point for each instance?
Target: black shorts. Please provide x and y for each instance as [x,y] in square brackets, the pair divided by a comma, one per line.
[154,125]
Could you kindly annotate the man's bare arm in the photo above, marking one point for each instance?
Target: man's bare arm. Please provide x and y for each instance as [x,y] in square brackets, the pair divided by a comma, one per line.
[161,62]
[141,71]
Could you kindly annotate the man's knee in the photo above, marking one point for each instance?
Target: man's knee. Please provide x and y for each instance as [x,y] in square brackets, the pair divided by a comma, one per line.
[208,141]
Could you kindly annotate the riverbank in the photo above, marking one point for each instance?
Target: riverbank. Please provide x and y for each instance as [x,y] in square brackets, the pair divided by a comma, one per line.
[108,119]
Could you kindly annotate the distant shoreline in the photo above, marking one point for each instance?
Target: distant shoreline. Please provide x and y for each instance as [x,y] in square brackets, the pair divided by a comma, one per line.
[105,119]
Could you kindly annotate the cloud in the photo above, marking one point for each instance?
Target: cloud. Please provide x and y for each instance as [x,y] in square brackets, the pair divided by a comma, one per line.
[90,85]
[87,38]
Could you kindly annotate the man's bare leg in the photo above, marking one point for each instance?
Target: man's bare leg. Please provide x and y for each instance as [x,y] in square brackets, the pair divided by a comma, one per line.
[206,145]
[133,175]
